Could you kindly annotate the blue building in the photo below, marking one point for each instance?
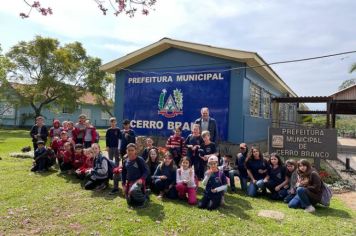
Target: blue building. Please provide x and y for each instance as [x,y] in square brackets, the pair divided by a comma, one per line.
[166,83]
[22,116]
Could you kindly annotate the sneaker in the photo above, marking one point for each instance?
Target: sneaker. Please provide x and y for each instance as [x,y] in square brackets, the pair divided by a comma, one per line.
[101,187]
[310,209]
[114,191]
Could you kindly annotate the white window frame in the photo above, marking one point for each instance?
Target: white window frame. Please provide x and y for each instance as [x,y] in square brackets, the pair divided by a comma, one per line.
[255,100]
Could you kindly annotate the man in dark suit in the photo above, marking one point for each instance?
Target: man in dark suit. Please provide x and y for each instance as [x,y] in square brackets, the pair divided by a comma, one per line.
[207,123]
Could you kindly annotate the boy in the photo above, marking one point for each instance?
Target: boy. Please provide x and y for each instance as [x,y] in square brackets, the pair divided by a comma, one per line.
[215,182]
[55,131]
[134,172]
[38,132]
[240,169]
[226,165]
[149,146]
[127,136]
[43,158]
[207,149]
[113,134]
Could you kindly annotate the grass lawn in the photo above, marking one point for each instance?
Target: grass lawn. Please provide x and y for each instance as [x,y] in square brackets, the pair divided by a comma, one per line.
[55,204]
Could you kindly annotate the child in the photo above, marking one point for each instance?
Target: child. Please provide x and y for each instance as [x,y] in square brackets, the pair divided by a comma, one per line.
[88,163]
[240,169]
[152,163]
[193,143]
[55,130]
[165,177]
[43,158]
[226,165]
[292,176]
[175,143]
[89,135]
[308,188]
[58,145]
[38,132]
[98,175]
[276,178]
[127,136]
[71,130]
[134,172]
[149,146]
[206,150]
[79,157]
[67,157]
[80,129]
[215,182]
[186,182]
[112,136]
[65,125]
[256,169]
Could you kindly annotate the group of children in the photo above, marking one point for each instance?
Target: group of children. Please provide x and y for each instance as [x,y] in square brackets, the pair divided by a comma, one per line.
[187,162]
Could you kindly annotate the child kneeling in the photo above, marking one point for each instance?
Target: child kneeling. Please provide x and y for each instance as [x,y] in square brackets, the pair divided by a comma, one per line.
[186,184]
[215,182]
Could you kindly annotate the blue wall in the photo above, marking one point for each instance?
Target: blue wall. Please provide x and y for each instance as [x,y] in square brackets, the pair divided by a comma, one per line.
[242,127]
[50,116]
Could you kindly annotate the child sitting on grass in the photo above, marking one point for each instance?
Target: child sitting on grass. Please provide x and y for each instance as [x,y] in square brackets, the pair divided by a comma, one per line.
[186,184]
[88,163]
[215,182]
[43,159]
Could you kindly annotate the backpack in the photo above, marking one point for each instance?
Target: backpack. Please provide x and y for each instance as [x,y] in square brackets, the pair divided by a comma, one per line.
[326,195]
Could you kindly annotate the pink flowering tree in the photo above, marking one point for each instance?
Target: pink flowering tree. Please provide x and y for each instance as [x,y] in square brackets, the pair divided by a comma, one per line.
[128,7]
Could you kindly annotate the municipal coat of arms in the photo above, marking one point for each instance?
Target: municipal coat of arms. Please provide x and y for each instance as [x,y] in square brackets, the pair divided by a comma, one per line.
[170,107]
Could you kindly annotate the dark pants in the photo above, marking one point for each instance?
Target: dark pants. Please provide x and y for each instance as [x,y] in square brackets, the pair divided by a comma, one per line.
[163,186]
[281,194]
[114,153]
[41,164]
[91,184]
[210,203]
[201,168]
[87,144]
[79,140]
[65,166]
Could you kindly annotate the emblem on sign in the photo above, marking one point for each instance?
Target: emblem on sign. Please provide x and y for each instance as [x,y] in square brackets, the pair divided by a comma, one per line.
[170,107]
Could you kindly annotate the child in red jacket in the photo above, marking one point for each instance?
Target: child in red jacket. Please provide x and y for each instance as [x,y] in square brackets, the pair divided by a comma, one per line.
[67,157]
[89,135]
[55,130]
[87,165]
[79,157]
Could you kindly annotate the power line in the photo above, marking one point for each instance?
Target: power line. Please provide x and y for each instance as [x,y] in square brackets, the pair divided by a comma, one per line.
[234,68]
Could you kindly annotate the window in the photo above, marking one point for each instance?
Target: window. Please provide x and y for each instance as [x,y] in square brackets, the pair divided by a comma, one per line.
[105,115]
[283,114]
[65,110]
[255,100]
[266,105]
[7,110]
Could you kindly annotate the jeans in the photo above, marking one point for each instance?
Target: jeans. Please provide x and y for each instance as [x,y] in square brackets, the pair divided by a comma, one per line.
[253,188]
[300,200]
[243,180]
[114,153]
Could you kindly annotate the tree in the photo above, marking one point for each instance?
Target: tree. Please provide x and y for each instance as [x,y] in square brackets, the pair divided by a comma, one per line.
[353,68]
[347,83]
[51,75]
[129,7]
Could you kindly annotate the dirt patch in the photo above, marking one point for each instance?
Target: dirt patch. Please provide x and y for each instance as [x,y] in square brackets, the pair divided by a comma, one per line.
[277,215]
[348,198]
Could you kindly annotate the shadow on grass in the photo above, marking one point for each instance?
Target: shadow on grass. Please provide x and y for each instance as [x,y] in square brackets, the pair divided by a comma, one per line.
[327,212]
[235,206]
[153,210]
[47,173]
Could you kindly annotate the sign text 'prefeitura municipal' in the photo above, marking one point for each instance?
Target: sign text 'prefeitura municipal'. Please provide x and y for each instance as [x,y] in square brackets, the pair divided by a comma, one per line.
[303,142]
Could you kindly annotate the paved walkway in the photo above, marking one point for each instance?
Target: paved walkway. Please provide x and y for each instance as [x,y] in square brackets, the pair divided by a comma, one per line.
[347,149]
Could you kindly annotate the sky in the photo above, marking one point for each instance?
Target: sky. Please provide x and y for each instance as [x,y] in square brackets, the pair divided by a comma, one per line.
[277,30]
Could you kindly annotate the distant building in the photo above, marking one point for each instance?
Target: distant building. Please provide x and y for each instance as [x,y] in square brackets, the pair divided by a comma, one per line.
[165,84]
[11,115]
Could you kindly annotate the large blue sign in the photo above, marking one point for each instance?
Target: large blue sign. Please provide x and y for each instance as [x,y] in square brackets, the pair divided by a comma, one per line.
[156,103]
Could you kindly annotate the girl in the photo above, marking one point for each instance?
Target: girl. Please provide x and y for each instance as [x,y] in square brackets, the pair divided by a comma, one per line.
[89,135]
[256,169]
[67,157]
[276,178]
[149,146]
[175,143]
[165,177]
[308,188]
[186,182]
[88,163]
[193,143]
[98,175]
[216,184]
[292,176]
[55,130]
[79,157]
[152,163]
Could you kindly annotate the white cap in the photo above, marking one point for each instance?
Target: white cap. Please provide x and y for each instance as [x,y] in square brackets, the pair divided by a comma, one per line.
[213,158]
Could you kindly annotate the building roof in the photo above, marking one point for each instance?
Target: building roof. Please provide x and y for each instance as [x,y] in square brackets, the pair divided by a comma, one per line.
[348,93]
[252,59]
